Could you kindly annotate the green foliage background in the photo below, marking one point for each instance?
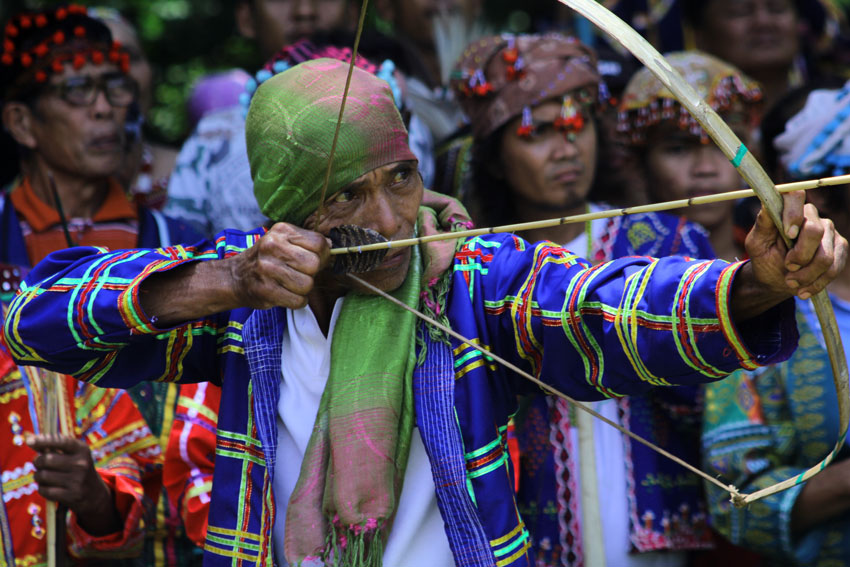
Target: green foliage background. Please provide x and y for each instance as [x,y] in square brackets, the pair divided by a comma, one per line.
[186,39]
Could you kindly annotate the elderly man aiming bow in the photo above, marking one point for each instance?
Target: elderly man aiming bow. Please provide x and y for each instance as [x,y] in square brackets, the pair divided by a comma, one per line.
[318,460]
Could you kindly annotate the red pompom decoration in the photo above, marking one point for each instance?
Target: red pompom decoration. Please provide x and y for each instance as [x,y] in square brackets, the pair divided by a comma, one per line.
[525,131]
[125,66]
[40,21]
[76,9]
[57,66]
[40,76]
[26,59]
[11,30]
[78,61]
[40,49]
[26,22]
[8,46]
[573,123]
[513,73]
[510,55]
[59,38]
[7,59]
[116,45]
[483,88]
[97,57]
[114,56]
[79,31]
[61,14]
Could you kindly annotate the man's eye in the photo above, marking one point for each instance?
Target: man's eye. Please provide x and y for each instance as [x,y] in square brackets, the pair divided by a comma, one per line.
[343,197]
[402,176]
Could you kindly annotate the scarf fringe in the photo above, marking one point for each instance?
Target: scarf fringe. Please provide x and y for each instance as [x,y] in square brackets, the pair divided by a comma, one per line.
[433,304]
[357,546]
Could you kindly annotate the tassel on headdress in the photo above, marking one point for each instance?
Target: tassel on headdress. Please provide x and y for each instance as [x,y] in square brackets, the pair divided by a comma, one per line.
[570,119]
[526,127]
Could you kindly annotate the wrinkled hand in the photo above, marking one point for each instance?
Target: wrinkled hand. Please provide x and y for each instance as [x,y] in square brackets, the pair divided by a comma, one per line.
[815,259]
[280,269]
[66,474]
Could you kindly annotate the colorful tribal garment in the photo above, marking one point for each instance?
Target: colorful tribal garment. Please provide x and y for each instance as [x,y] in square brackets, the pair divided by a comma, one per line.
[126,455]
[614,329]
[30,230]
[664,503]
[765,426]
[190,457]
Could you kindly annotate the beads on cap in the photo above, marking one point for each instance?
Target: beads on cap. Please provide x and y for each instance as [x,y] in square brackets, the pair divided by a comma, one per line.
[52,53]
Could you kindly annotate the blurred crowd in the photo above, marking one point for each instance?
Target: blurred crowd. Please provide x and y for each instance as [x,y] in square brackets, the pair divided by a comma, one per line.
[519,128]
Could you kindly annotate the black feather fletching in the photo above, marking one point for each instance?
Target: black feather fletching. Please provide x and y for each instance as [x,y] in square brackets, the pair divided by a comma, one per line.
[349,235]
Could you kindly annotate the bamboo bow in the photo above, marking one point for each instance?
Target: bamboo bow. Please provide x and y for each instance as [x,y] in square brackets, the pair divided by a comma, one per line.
[749,169]
[758,179]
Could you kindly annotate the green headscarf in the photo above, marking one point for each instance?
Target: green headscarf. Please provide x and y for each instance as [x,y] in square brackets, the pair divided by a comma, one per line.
[351,477]
[290,128]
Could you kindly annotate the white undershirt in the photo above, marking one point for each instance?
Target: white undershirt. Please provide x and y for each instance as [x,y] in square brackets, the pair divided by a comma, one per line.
[418,538]
[610,469]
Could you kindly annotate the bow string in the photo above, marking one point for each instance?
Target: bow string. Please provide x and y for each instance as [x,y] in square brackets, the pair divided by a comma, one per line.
[749,168]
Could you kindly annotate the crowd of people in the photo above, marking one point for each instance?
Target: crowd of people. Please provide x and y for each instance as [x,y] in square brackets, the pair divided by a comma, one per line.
[189,377]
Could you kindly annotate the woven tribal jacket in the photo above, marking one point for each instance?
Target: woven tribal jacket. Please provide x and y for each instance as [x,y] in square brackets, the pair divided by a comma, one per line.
[610,330]
[663,501]
[765,426]
[165,543]
[126,454]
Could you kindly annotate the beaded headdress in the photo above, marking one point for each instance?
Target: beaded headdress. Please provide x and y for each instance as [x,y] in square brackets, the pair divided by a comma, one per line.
[501,77]
[38,44]
[647,102]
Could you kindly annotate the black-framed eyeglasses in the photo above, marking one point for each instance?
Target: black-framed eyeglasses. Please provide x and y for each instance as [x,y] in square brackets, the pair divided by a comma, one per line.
[120,89]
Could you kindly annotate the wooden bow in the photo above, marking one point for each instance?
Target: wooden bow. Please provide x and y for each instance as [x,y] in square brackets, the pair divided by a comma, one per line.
[758,179]
[761,184]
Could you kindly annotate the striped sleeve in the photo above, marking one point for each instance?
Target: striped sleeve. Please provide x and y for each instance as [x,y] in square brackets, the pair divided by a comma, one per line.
[608,330]
[103,336]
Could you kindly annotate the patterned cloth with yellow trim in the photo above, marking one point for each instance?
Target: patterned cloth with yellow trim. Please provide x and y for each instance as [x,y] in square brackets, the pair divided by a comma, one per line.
[126,455]
[613,329]
[763,427]
[190,457]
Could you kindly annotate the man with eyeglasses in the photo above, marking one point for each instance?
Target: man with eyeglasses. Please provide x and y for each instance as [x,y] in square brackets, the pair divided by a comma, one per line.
[64,95]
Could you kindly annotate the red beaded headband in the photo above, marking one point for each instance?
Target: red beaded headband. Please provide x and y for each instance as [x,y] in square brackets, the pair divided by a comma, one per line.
[51,55]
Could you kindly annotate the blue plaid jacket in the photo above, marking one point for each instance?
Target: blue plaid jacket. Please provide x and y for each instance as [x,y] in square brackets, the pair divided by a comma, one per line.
[610,330]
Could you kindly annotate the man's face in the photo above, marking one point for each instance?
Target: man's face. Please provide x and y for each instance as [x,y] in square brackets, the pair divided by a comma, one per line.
[279,22]
[680,166]
[551,169]
[83,140]
[386,200]
[753,35]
